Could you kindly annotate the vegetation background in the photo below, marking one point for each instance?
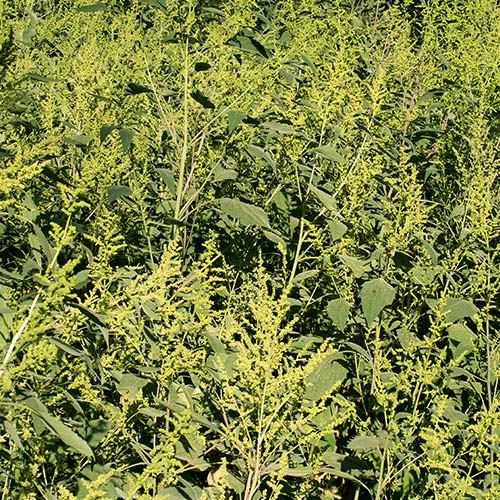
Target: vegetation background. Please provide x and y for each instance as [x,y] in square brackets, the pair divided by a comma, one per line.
[249,249]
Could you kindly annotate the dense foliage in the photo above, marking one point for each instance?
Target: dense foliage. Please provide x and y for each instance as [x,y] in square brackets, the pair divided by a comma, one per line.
[249,249]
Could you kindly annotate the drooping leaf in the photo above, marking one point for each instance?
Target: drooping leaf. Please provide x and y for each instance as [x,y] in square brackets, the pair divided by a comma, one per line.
[202,99]
[326,199]
[62,431]
[330,154]
[338,311]
[136,88]
[375,295]
[117,192]
[258,152]
[248,215]
[105,131]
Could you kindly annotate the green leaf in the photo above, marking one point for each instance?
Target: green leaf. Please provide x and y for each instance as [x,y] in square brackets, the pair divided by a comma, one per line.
[330,154]
[375,295]
[248,215]
[326,199]
[338,311]
[275,238]
[202,66]
[324,377]
[95,7]
[234,118]
[357,266]
[279,128]
[455,309]
[258,152]
[136,88]
[224,174]
[105,131]
[126,136]
[66,435]
[130,385]
[11,431]
[62,431]
[202,99]
[337,229]
[117,192]
[363,443]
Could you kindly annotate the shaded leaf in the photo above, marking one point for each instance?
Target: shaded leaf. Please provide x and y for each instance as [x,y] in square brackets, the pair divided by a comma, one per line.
[130,385]
[202,66]
[126,136]
[202,99]
[136,88]
[117,192]
[363,443]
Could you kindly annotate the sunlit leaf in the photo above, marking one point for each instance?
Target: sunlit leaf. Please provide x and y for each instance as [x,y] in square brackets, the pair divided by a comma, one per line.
[375,295]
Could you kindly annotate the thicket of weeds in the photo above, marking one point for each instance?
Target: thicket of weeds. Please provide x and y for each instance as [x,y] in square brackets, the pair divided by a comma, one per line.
[249,249]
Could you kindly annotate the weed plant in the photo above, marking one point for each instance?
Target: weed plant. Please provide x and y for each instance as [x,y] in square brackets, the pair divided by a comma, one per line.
[249,250]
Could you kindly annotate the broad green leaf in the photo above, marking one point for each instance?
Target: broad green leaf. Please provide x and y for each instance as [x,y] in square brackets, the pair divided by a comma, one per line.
[224,174]
[105,131]
[363,443]
[455,309]
[326,199]
[130,385]
[126,136]
[375,295]
[117,192]
[11,431]
[234,118]
[338,311]
[248,215]
[202,99]
[279,128]
[258,152]
[337,229]
[275,238]
[62,431]
[95,7]
[330,154]
[357,266]
[44,244]
[324,377]
[65,434]
[136,88]
[78,140]
[305,275]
